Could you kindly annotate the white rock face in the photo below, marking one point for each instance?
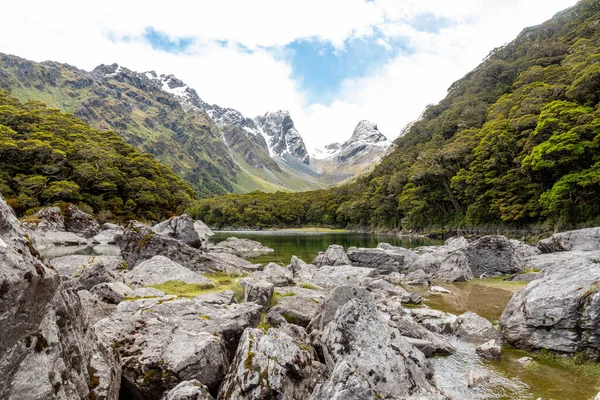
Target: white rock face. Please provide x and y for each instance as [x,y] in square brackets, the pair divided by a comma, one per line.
[281,135]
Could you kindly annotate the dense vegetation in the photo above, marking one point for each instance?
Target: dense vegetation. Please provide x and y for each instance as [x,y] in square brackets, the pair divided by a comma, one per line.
[49,157]
[134,106]
[515,142]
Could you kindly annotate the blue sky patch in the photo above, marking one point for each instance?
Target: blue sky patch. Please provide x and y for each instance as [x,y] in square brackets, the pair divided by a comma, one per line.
[428,22]
[161,41]
[320,68]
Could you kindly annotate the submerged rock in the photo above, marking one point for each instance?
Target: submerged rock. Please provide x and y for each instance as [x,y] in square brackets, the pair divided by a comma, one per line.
[490,350]
[476,329]
[47,346]
[559,310]
[580,240]
[278,364]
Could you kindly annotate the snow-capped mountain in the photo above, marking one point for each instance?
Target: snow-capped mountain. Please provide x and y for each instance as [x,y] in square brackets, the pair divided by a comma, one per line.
[365,138]
[363,150]
[281,135]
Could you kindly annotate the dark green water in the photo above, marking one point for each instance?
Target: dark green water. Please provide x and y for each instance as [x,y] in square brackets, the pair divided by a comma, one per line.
[306,244]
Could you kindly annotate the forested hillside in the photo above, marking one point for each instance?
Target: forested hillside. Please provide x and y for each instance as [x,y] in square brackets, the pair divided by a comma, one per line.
[515,142]
[49,157]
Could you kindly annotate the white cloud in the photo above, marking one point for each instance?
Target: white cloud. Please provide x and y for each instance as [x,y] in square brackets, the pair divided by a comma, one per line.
[392,95]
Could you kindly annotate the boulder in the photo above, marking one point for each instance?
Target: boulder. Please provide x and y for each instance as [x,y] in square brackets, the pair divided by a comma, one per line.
[476,329]
[497,255]
[383,260]
[428,342]
[44,240]
[278,364]
[139,243]
[108,234]
[73,266]
[94,307]
[188,390]
[296,310]
[91,277]
[345,383]
[427,263]
[454,268]
[112,292]
[229,263]
[50,219]
[203,231]
[79,222]
[341,275]
[180,228]
[301,271]
[337,298]
[361,336]
[435,321]
[159,269]
[257,291]
[490,350]
[579,240]
[409,255]
[276,274]
[416,278]
[48,348]
[334,255]
[244,248]
[164,341]
[559,310]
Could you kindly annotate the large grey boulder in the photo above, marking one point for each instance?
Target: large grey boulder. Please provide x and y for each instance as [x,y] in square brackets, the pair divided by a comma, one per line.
[188,390]
[435,321]
[180,228]
[203,231]
[164,341]
[139,243]
[454,268]
[409,255]
[73,266]
[341,275]
[559,310]
[94,307]
[298,310]
[244,248]
[79,222]
[361,336]
[334,255]
[337,298]
[497,255]
[476,329]
[48,348]
[160,269]
[278,364]
[345,383]
[257,291]
[580,240]
[276,274]
[301,271]
[383,260]
[50,219]
[490,350]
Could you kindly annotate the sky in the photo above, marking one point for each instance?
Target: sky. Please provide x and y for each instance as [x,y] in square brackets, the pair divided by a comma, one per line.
[331,63]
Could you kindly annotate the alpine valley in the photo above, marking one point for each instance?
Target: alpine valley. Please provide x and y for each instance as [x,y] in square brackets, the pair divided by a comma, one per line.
[217,150]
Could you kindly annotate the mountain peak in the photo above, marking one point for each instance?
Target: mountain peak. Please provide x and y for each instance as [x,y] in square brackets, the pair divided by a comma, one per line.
[366,131]
[281,135]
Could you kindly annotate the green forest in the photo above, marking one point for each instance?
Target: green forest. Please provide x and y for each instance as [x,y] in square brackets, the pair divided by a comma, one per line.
[515,142]
[49,157]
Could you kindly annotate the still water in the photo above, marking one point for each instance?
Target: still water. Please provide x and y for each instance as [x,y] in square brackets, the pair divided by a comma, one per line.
[306,244]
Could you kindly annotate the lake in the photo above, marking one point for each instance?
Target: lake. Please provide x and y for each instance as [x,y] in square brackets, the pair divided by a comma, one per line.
[307,244]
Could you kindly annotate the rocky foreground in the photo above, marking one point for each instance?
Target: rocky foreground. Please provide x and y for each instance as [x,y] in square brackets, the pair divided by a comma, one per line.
[175,318]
